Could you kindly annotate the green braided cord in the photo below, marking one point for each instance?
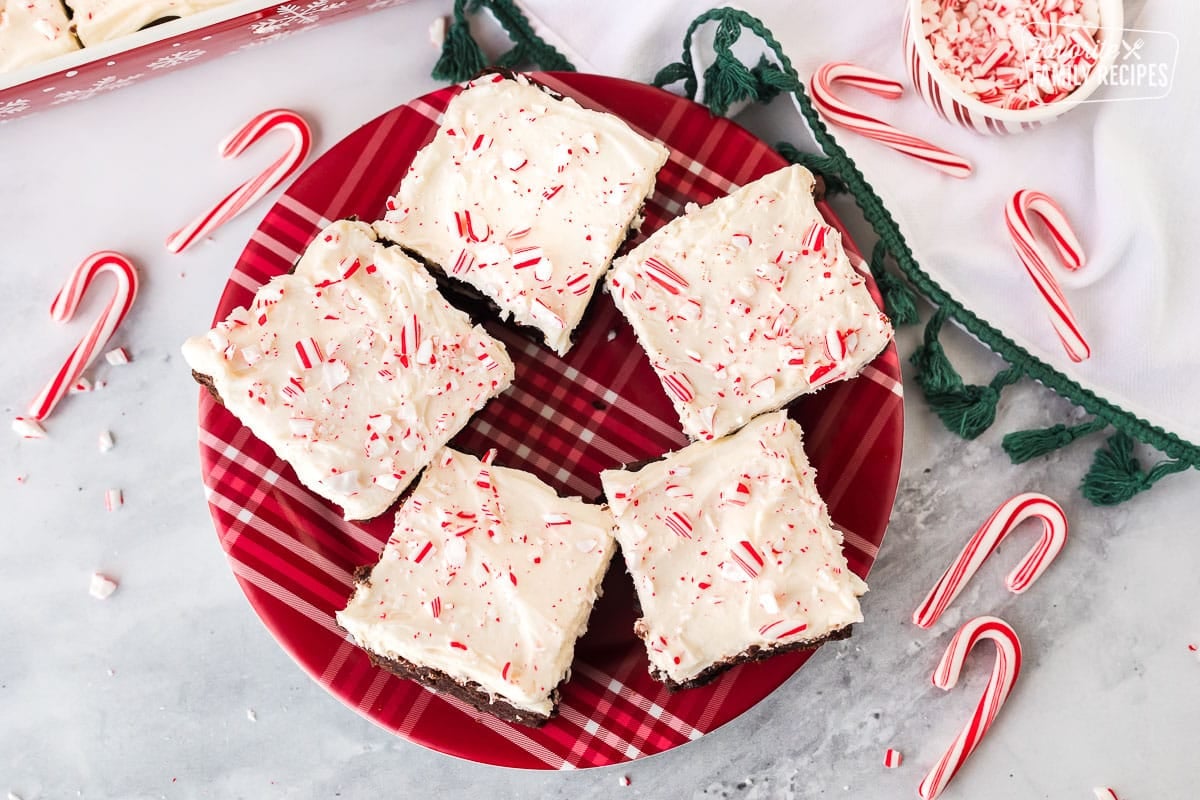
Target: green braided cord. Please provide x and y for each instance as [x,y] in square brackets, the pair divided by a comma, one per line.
[531,48]
[1023,446]
[672,73]
[462,59]
[873,210]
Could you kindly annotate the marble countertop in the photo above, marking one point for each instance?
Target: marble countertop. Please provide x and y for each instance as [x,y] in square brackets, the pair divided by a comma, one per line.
[173,688]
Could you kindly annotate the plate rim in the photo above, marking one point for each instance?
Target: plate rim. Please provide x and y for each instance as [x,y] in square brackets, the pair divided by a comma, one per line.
[253,594]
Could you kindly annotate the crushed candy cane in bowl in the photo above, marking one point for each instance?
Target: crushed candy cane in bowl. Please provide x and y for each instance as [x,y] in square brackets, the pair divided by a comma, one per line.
[1006,66]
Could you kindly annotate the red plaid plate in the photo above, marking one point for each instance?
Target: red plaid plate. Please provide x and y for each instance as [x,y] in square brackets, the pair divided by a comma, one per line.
[565,419]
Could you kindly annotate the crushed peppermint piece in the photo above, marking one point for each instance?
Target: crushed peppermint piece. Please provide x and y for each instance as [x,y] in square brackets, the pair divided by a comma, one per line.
[117,356]
[105,441]
[623,780]
[1013,55]
[892,758]
[250,715]
[28,428]
[113,499]
[101,586]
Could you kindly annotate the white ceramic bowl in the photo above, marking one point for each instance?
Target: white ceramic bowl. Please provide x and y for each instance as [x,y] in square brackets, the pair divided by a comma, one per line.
[955,105]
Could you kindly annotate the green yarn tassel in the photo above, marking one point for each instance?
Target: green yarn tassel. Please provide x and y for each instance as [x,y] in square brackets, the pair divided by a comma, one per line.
[727,80]
[461,57]
[970,410]
[1023,446]
[771,80]
[818,164]
[899,301]
[935,373]
[1116,474]
[965,409]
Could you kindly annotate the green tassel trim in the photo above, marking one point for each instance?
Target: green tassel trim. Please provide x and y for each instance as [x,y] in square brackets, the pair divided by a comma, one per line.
[935,373]
[899,301]
[771,80]
[966,409]
[672,73]
[1023,446]
[462,59]
[728,80]
[970,410]
[1116,475]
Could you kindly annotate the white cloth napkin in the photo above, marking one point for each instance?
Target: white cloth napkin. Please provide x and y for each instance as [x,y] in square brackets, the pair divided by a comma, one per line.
[1124,172]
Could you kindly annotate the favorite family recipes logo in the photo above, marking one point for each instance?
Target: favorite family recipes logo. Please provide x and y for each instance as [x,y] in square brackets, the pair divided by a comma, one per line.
[1140,65]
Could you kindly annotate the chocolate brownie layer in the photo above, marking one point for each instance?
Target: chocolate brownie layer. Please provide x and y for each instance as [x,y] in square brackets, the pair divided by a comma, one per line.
[441,683]
[752,654]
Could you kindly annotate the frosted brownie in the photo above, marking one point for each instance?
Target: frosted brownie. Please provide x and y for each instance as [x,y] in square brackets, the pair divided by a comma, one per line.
[526,198]
[32,31]
[747,303]
[353,369]
[732,553]
[484,587]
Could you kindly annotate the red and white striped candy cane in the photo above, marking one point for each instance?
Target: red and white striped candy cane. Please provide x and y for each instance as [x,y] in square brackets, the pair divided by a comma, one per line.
[66,302]
[999,686]
[256,188]
[1033,257]
[1003,521]
[839,113]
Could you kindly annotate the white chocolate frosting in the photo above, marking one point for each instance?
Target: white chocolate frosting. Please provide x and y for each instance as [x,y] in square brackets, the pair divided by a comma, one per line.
[526,198]
[489,577]
[101,20]
[730,547]
[32,31]
[353,369]
[747,303]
